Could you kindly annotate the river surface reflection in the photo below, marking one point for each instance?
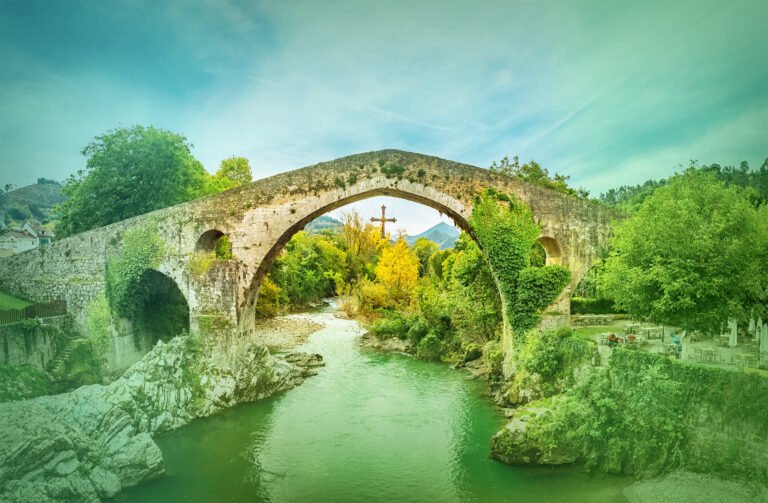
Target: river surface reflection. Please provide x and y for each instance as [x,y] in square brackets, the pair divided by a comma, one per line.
[370,427]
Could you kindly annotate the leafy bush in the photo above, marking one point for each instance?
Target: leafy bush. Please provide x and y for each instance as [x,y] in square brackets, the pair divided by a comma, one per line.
[19,383]
[584,305]
[645,414]
[200,263]
[506,232]
[142,249]
[393,324]
[418,329]
[537,288]
[392,170]
[470,352]
[493,355]
[82,366]
[223,248]
[98,322]
[271,298]
[430,347]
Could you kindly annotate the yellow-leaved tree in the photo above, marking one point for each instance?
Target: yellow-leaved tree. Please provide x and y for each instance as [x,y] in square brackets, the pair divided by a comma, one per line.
[398,270]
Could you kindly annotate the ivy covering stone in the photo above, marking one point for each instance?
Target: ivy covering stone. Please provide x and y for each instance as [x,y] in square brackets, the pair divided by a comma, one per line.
[506,231]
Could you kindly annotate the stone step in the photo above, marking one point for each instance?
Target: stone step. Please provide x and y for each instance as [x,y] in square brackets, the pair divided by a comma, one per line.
[56,364]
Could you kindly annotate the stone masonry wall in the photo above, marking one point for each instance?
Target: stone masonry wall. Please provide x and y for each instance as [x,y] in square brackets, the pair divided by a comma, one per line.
[261,217]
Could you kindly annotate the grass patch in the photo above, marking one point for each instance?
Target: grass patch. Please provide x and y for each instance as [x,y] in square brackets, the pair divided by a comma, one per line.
[10,302]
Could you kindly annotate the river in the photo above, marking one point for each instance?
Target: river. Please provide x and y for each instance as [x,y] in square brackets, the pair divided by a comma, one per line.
[370,427]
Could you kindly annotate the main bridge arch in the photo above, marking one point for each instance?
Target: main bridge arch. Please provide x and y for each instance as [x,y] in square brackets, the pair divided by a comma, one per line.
[309,209]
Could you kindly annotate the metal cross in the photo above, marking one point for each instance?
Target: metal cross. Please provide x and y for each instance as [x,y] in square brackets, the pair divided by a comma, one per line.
[383,220]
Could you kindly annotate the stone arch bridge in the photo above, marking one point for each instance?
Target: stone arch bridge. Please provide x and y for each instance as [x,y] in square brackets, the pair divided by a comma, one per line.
[261,217]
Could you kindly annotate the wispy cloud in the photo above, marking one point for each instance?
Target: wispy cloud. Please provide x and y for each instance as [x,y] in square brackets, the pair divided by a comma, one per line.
[607,93]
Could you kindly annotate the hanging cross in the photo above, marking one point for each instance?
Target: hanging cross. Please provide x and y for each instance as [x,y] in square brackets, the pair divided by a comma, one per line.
[383,220]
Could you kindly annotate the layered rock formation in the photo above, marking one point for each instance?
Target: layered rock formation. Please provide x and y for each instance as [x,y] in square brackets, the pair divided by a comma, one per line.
[93,442]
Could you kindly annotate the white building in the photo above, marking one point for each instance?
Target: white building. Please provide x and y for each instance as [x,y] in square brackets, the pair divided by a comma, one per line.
[28,237]
[17,241]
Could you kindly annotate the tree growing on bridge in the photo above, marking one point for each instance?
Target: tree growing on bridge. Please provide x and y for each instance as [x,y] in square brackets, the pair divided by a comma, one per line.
[233,172]
[533,172]
[129,171]
[693,255]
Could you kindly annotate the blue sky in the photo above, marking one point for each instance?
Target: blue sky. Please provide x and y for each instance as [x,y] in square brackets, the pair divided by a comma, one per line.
[607,92]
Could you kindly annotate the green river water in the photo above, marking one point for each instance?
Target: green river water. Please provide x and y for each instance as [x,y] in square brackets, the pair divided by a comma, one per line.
[370,427]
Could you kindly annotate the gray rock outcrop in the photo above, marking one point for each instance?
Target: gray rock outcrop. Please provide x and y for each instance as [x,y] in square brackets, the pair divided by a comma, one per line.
[518,444]
[91,443]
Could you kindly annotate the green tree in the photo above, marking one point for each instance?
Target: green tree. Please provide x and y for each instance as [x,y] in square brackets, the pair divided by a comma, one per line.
[693,255]
[476,311]
[424,249]
[233,172]
[129,171]
[236,169]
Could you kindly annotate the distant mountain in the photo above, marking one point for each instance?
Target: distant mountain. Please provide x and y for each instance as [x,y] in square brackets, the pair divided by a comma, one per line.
[322,224]
[33,202]
[443,234]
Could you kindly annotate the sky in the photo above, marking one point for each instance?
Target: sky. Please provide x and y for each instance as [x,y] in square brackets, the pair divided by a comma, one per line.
[608,92]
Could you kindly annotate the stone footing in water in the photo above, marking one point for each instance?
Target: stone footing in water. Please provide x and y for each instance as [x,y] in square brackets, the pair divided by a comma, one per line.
[97,440]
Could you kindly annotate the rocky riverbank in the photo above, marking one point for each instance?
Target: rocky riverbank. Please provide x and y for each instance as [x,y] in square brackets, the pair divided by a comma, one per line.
[286,332]
[91,443]
[391,344]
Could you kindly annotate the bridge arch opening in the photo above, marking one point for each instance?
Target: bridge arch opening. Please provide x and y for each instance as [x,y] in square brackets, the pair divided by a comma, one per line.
[553,250]
[162,312]
[408,268]
[314,208]
[538,255]
[215,242]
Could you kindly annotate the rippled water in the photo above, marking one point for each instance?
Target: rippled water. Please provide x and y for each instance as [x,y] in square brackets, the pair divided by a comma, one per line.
[369,427]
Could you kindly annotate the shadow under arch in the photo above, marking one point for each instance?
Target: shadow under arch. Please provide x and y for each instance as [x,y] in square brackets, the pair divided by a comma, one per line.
[314,212]
[552,248]
[162,310]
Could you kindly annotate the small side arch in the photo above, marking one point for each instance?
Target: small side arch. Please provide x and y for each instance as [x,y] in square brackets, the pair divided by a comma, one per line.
[553,249]
[208,239]
[216,242]
[162,311]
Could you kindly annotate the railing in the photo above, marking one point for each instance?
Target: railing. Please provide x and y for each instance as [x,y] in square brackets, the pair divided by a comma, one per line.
[56,308]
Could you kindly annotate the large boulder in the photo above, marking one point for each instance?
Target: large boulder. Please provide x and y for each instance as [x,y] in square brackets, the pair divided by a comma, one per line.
[520,442]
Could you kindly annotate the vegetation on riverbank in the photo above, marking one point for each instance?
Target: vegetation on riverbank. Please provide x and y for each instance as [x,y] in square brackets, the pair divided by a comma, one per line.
[644,414]
[444,302]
